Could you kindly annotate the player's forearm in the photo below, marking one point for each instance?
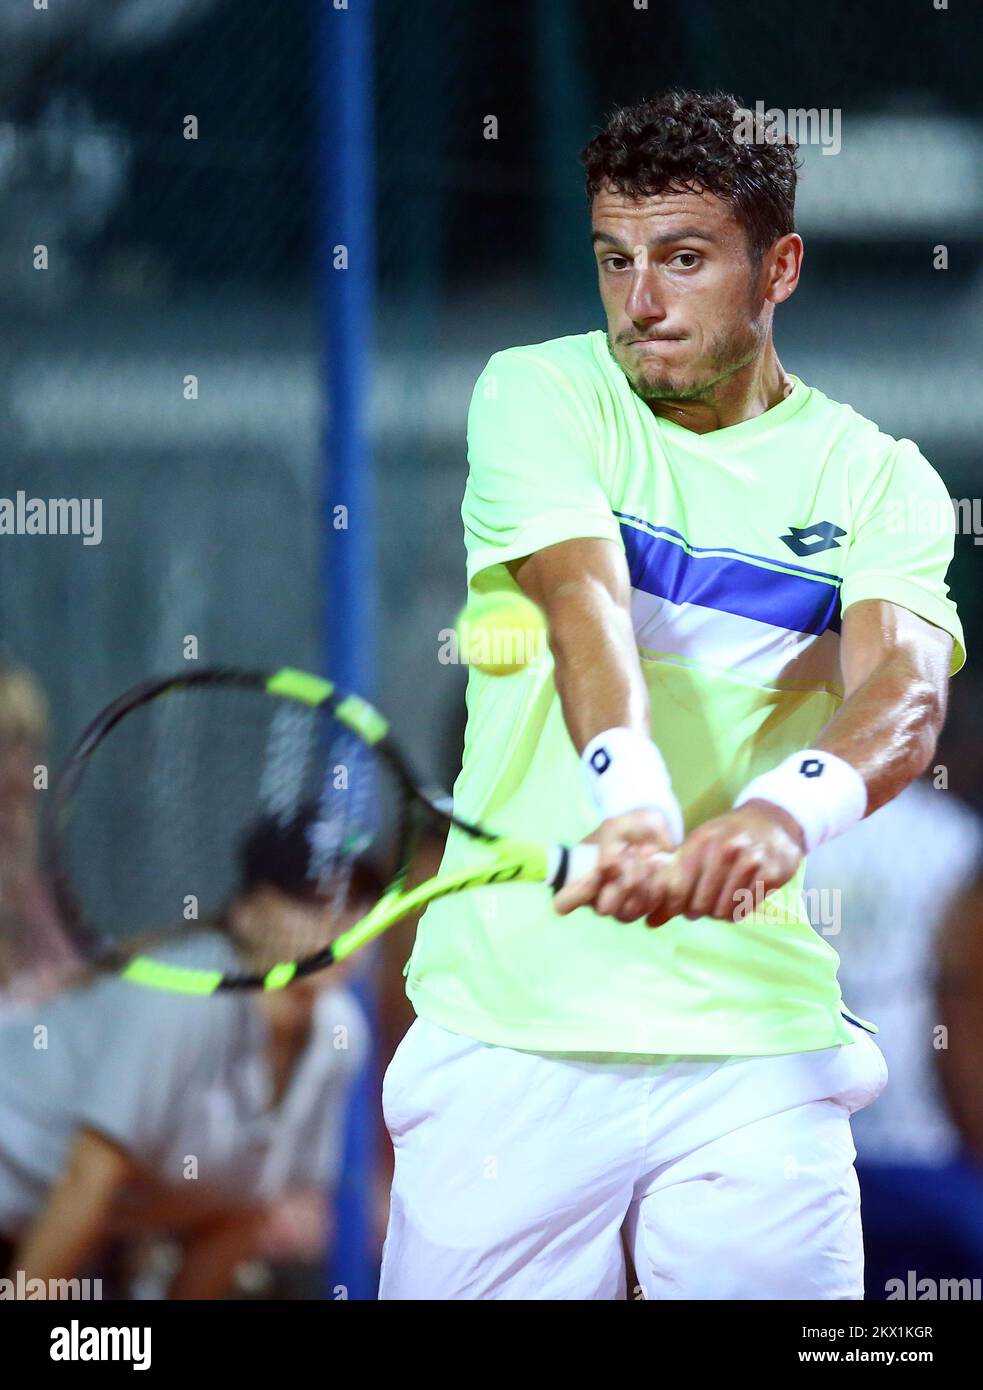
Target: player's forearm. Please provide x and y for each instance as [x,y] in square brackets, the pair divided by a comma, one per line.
[888,728]
[596,668]
[583,586]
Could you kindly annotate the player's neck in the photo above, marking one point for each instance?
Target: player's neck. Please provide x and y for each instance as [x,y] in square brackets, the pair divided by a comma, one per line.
[750,391]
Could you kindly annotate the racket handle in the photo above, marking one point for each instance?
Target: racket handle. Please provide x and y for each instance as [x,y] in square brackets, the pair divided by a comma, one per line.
[568,863]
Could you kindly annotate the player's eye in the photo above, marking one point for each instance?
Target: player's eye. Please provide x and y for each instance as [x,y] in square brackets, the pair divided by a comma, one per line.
[616,263]
[685,260]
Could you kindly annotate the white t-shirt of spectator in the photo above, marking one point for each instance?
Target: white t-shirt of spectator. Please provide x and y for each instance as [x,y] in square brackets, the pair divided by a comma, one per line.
[889,883]
[182,1083]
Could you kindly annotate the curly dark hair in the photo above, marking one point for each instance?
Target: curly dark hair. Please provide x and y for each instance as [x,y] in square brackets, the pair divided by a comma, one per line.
[681,140]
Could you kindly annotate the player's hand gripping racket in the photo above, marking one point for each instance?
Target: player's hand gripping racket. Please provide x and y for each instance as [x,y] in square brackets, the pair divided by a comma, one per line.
[177,793]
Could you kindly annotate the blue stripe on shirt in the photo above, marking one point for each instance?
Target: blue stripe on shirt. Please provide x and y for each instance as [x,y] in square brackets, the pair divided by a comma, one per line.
[731,584]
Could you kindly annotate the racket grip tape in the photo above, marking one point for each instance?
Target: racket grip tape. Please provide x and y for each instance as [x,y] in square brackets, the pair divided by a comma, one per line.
[567,863]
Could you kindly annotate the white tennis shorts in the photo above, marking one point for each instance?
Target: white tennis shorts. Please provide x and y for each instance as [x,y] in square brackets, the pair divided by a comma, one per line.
[523,1175]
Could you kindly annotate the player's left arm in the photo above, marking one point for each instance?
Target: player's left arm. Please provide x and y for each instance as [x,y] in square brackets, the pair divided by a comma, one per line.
[895,678]
[896,683]
[895,673]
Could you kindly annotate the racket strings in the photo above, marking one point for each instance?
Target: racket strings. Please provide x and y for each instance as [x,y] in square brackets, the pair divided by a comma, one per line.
[288,750]
[203,794]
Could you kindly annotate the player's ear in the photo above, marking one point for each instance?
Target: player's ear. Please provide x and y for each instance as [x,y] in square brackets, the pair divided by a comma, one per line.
[784,266]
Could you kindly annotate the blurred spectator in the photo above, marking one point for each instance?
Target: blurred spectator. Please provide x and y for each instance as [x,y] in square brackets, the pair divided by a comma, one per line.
[34,954]
[126,1112]
[889,885]
[960,997]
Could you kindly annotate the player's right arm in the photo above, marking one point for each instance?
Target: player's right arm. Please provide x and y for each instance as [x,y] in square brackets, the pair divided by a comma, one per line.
[583,587]
[537,513]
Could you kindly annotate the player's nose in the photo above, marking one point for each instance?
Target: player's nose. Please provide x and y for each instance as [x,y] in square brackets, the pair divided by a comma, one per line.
[644,304]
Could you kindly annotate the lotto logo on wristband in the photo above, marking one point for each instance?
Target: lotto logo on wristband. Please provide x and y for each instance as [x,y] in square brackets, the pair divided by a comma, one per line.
[811,767]
[600,760]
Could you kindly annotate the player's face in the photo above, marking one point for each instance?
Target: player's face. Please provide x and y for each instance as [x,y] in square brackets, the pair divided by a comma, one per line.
[683,301]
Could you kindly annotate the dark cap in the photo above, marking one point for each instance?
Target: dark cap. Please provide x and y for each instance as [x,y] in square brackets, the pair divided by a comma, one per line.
[289,854]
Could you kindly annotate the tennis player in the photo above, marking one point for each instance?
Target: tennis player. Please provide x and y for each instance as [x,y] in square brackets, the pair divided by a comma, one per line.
[750,646]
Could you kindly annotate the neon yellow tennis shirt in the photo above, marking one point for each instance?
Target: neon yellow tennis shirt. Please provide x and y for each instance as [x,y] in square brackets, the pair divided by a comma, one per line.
[744,547]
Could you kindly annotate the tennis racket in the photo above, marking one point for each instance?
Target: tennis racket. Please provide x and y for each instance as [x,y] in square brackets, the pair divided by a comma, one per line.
[159,821]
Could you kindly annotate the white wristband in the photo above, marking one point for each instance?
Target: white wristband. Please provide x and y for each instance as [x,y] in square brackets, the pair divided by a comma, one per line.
[624,771]
[819,790]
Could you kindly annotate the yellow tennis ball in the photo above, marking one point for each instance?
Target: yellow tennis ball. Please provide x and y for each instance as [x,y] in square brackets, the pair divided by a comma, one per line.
[501,633]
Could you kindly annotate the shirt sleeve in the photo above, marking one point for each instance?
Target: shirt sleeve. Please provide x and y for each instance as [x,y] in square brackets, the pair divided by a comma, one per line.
[903,542]
[148,1056]
[534,477]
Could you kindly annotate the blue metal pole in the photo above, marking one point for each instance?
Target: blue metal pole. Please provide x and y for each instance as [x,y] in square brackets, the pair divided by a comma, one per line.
[345,250]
